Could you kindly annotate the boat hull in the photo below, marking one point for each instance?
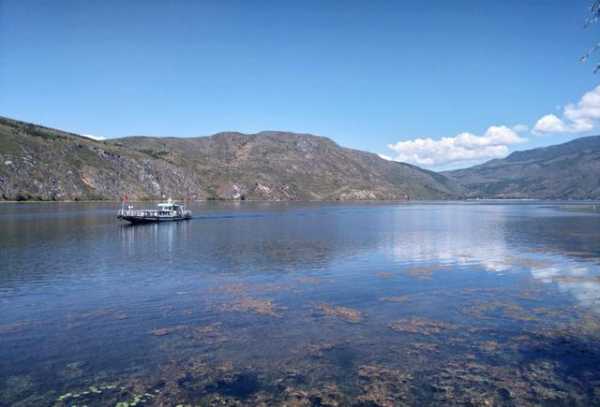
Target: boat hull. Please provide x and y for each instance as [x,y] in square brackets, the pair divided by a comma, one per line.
[153,219]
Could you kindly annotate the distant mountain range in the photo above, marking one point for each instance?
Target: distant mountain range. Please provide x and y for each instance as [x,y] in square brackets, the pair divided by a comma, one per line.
[39,163]
[564,171]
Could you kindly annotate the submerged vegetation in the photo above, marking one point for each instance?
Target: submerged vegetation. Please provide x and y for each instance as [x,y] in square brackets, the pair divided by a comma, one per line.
[428,361]
[257,306]
[343,313]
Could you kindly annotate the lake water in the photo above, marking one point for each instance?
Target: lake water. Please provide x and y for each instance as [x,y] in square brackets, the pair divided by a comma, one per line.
[301,305]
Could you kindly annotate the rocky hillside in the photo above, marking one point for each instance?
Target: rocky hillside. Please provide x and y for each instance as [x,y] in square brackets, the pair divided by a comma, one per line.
[565,171]
[46,164]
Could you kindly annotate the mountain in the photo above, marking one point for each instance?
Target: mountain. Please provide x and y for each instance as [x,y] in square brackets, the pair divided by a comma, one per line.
[40,163]
[564,171]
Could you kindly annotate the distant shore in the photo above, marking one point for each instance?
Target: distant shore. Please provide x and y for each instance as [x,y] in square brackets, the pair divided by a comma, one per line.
[469,200]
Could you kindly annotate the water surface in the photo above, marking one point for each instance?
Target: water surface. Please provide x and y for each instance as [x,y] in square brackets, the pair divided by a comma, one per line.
[301,304]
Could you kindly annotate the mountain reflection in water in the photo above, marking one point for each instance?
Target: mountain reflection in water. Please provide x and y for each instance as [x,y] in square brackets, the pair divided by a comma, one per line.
[301,304]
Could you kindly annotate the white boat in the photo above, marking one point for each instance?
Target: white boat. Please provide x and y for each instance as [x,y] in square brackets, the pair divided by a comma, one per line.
[164,212]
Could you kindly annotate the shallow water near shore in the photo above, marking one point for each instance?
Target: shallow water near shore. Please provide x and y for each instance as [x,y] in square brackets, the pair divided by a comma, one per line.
[370,304]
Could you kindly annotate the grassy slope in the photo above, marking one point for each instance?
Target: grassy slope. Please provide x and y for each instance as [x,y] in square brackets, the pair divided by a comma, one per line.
[41,163]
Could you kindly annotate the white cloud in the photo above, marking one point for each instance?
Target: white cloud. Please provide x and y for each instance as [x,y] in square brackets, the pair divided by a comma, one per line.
[465,147]
[99,138]
[385,157]
[520,128]
[550,123]
[576,118]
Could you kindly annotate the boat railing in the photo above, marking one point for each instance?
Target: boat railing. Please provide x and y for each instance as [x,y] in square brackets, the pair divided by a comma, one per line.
[139,212]
[153,213]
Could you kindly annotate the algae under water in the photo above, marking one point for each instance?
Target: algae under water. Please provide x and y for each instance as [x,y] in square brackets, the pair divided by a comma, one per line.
[365,304]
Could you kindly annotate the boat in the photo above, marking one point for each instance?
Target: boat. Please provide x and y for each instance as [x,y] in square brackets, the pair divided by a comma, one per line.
[169,211]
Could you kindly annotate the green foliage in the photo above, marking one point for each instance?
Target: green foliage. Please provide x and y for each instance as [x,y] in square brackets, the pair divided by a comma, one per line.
[154,153]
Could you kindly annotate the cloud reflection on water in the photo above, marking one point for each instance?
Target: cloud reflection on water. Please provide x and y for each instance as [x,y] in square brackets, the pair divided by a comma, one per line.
[582,282]
[500,242]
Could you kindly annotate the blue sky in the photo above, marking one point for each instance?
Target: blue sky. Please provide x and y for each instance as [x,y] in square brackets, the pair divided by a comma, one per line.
[366,74]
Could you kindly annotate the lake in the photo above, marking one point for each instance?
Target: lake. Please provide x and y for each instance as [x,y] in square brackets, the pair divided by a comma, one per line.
[314,304]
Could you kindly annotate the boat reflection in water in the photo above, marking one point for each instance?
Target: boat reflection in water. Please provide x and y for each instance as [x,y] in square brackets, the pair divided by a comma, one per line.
[156,238]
